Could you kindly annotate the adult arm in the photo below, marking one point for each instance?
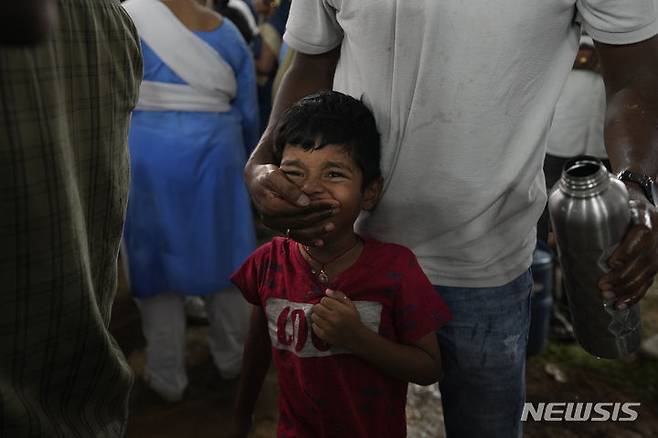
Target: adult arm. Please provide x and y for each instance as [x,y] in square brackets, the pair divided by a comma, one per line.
[281,203]
[630,73]
[255,363]
[26,22]
[336,321]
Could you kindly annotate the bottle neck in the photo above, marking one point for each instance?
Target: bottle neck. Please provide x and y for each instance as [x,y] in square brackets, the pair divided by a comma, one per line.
[584,177]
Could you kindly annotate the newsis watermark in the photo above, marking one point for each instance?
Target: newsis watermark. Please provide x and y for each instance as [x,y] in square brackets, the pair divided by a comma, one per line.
[580,411]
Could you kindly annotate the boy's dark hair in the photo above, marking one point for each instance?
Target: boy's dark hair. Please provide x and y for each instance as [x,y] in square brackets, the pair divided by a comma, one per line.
[330,117]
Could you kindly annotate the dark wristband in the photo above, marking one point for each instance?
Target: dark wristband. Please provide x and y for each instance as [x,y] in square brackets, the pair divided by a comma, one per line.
[645,182]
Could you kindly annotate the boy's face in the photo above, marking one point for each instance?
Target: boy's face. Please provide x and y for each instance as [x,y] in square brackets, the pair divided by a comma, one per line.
[330,173]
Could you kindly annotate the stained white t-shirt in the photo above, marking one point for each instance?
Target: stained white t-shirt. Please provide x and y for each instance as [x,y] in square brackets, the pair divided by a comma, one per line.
[579,117]
[577,126]
[463,93]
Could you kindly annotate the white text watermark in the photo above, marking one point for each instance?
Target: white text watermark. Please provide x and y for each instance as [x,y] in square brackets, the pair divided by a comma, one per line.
[580,411]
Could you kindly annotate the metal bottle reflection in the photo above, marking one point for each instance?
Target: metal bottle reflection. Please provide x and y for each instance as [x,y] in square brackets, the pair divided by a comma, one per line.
[590,216]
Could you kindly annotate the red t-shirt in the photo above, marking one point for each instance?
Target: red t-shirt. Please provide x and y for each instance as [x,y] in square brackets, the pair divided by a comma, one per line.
[326,391]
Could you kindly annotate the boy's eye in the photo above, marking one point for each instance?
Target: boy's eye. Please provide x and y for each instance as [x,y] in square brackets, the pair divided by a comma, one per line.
[336,175]
[292,173]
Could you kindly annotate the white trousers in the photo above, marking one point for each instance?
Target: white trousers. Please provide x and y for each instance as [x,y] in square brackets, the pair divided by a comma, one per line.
[163,323]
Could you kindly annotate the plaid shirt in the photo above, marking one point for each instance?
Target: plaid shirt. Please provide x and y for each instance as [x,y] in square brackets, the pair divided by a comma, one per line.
[64,114]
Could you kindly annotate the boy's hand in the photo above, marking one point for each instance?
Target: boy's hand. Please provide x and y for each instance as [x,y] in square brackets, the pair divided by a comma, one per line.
[336,320]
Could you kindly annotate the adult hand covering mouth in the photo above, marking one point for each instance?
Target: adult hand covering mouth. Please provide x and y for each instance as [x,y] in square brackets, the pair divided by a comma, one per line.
[281,203]
[284,207]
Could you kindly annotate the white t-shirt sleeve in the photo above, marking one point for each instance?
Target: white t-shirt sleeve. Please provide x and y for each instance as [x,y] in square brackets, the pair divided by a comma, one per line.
[312,27]
[619,21]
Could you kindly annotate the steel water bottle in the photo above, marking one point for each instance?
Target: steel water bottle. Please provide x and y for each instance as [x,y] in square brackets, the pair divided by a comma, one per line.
[590,216]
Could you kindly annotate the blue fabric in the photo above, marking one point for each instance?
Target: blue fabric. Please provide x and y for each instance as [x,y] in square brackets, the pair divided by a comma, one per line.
[278,21]
[483,352]
[283,52]
[189,223]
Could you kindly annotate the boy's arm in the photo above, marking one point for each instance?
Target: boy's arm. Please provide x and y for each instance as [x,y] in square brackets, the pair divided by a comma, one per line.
[336,321]
[255,363]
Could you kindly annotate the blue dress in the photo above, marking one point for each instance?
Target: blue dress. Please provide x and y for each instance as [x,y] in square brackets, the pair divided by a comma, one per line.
[189,223]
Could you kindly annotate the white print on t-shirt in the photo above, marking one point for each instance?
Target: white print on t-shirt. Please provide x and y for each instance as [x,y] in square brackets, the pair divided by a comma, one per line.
[290,326]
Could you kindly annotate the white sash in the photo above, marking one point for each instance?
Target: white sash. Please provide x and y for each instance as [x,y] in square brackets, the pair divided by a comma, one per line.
[242,7]
[212,83]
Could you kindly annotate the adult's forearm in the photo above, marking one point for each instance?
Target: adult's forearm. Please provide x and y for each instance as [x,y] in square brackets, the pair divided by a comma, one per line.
[308,74]
[631,128]
[631,132]
[26,22]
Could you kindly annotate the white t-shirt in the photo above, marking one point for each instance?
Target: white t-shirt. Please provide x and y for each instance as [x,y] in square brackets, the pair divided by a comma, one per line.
[579,116]
[463,93]
[577,127]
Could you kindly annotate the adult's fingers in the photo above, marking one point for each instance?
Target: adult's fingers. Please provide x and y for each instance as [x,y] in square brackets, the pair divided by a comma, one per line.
[275,195]
[311,222]
[634,263]
[638,239]
[316,211]
[638,291]
[268,186]
[633,285]
[284,206]
[628,301]
[631,271]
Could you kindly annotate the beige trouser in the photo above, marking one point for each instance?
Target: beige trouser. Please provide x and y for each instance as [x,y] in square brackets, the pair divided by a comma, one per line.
[163,323]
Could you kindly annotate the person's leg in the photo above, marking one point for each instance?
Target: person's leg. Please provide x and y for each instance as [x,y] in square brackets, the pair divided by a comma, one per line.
[483,352]
[228,315]
[163,323]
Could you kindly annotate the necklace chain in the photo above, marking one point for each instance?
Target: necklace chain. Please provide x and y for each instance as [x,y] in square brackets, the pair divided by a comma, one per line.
[320,273]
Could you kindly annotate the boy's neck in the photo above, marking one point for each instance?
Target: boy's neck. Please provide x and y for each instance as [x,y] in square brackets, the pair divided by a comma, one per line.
[334,247]
[328,261]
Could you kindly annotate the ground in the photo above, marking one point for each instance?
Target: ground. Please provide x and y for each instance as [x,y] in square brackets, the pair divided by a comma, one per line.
[562,373]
